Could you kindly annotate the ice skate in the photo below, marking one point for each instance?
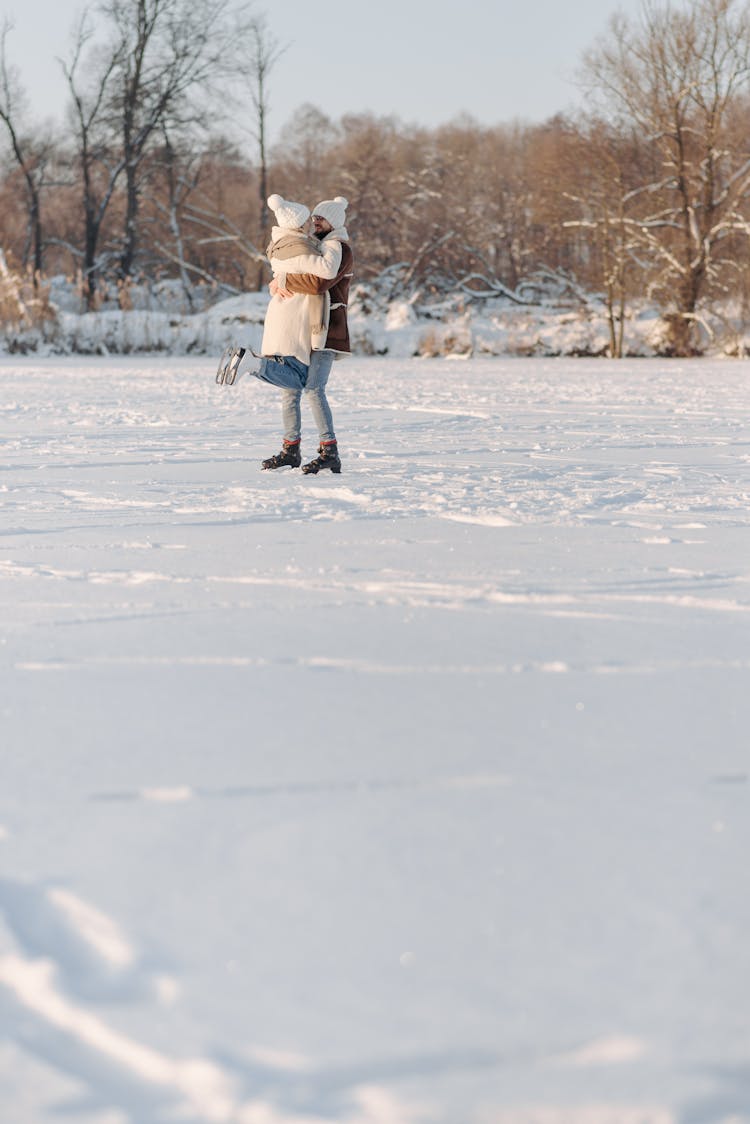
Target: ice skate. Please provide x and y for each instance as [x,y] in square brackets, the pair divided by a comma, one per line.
[328,458]
[289,456]
[231,357]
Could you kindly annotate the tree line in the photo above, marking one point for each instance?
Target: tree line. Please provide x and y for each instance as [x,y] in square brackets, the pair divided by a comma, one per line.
[644,196]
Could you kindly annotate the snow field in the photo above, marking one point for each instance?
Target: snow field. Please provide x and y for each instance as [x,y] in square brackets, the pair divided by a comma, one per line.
[417,794]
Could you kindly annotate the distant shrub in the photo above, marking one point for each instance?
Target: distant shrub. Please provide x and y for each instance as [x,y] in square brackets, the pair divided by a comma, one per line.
[26,314]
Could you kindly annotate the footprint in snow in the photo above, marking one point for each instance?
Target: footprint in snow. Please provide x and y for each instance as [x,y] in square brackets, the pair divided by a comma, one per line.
[94,959]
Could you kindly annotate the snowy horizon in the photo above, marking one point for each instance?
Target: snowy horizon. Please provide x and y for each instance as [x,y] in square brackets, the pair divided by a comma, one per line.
[454,327]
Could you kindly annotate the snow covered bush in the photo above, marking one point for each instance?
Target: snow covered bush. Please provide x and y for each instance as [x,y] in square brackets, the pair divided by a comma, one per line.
[26,316]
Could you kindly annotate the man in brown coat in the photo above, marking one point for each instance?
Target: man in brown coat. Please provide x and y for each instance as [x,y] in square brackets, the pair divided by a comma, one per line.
[328,220]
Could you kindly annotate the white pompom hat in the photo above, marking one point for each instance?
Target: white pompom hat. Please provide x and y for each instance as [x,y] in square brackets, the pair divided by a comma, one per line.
[288,214]
[333,210]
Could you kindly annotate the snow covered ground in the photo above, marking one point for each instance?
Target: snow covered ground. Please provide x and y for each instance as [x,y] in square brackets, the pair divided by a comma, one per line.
[418,795]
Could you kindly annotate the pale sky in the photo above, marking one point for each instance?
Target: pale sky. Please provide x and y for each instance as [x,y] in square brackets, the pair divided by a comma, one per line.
[424,61]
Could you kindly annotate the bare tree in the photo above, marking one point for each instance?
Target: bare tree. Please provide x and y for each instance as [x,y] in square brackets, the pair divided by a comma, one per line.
[181,174]
[98,167]
[265,51]
[600,178]
[363,168]
[30,157]
[492,214]
[170,55]
[157,65]
[300,161]
[674,76]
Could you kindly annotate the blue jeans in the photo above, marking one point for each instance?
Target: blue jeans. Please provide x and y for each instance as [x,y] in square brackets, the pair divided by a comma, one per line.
[293,377]
[286,372]
[315,394]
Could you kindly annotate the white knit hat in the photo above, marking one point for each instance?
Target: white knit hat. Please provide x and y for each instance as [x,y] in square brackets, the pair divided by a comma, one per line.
[288,214]
[333,210]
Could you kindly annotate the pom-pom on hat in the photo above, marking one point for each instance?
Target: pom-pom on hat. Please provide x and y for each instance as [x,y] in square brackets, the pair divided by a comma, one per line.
[288,214]
[333,210]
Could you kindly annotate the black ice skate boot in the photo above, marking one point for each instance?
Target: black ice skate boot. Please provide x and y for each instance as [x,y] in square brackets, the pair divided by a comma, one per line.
[290,455]
[328,458]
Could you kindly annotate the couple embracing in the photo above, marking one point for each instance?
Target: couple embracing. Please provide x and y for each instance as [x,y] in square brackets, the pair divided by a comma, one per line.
[305,327]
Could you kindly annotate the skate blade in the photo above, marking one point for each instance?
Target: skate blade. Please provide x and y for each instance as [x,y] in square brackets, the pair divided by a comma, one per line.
[229,366]
[233,374]
[223,368]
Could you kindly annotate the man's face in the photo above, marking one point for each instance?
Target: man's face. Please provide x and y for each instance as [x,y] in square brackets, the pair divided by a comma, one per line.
[321,225]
